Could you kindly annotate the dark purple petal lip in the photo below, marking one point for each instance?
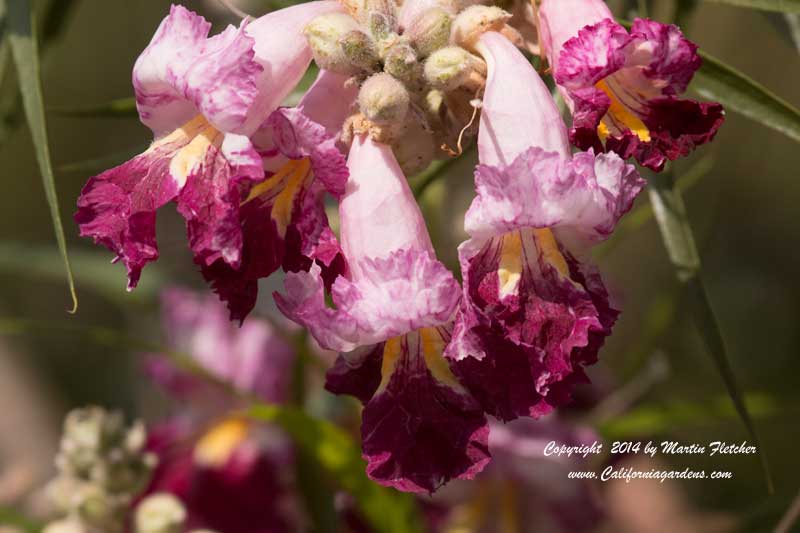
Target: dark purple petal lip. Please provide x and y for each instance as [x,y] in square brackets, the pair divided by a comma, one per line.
[420,428]
[627,104]
[529,342]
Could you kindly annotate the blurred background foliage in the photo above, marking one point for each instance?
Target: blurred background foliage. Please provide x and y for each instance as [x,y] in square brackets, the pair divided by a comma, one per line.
[741,192]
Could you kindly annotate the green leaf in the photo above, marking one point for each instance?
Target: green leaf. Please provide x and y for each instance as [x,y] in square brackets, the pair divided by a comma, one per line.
[781,6]
[736,91]
[386,510]
[664,418]
[122,107]
[12,517]
[676,232]
[92,270]
[24,47]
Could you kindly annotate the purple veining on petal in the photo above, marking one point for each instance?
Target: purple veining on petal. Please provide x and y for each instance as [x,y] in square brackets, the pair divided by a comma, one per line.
[622,90]
[586,194]
[420,428]
[183,72]
[528,344]
[118,207]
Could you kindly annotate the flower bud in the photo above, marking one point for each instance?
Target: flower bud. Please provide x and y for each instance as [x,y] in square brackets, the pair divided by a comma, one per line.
[474,21]
[381,17]
[401,62]
[430,31]
[451,67]
[160,513]
[359,50]
[324,35]
[383,99]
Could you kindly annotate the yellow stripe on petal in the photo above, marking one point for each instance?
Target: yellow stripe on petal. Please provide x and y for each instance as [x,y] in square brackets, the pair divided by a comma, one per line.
[284,202]
[433,350]
[621,114]
[392,350]
[193,154]
[509,271]
[548,247]
[217,445]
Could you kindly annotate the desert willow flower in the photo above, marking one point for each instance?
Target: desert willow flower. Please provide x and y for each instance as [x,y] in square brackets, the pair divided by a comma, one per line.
[392,320]
[533,313]
[206,99]
[623,87]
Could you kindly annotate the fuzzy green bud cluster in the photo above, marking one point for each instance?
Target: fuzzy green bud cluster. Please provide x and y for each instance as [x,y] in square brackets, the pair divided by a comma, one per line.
[102,466]
[416,81]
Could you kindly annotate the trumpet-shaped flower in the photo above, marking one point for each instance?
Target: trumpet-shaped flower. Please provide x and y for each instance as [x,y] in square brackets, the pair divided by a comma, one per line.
[622,87]
[203,97]
[533,315]
[283,220]
[392,319]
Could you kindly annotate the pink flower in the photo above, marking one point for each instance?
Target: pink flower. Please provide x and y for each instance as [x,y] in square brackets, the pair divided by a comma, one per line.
[622,87]
[393,313]
[533,315]
[283,220]
[203,97]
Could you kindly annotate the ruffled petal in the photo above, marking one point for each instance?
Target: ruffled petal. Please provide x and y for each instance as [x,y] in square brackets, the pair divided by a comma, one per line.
[118,207]
[420,427]
[531,318]
[182,72]
[560,20]
[406,291]
[209,201]
[297,136]
[622,92]
[669,59]
[585,195]
[596,52]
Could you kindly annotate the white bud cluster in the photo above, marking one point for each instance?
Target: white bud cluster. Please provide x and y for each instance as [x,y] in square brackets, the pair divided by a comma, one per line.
[415,66]
[102,466]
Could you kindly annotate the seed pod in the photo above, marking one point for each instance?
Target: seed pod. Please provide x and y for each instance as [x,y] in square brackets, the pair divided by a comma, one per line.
[451,67]
[324,34]
[474,21]
[430,31]
[383,99]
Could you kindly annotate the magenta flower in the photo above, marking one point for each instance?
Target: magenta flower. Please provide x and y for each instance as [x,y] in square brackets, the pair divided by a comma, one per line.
[533,315]
[622,87]
[203,97]
[229,472]
[393,314]
[283,220]
[254,358]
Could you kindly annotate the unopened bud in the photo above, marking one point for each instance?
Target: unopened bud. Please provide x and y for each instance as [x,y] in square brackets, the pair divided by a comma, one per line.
[324,35]
[474,21]
[401,62]
[415,149]
[383,99]
[381,17]
[360,50]
[451,67]
[430,31]
[160,513]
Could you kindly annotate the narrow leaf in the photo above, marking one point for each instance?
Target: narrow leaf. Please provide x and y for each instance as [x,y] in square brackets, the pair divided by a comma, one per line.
[781,6]
[676,232]
[665,417]
[385,509]
[22,37]
[736,91]
[122,107]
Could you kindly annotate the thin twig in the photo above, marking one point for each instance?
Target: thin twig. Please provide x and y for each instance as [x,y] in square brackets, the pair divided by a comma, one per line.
[790,518]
